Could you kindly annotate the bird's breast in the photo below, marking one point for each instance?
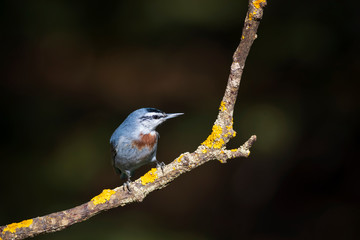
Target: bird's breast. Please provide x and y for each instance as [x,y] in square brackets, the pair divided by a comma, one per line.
[145,140]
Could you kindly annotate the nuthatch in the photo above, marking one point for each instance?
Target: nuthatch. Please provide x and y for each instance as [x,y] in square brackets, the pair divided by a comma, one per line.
[134,142]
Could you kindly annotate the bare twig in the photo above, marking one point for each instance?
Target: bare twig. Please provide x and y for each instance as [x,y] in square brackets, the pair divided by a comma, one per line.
[213,148]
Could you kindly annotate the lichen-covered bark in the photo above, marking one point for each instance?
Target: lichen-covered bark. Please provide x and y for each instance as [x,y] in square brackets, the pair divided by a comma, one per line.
[213,148]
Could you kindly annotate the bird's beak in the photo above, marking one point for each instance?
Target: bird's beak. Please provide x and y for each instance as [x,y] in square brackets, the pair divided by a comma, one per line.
[172,115]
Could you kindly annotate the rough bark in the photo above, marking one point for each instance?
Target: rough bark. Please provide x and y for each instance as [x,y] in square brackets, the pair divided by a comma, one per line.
[213,148]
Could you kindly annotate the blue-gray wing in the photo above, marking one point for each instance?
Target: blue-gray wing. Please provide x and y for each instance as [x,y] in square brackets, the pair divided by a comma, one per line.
[113,156]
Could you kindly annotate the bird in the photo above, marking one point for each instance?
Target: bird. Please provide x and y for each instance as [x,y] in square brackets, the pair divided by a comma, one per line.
[134,143]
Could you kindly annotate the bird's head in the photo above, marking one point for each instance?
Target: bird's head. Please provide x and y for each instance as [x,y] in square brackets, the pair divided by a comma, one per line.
[150,118]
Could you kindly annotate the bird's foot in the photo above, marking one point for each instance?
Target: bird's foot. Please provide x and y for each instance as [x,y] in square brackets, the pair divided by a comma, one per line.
[160,165]
[126,186]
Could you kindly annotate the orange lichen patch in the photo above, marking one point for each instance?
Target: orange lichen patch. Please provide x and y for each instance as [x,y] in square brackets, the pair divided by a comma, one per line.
[230,129]
[214,140]
[219,144]
[257,3]
[233,134]
[229,133]
[146,140]
[149,177]
[179,158]
[231,124]
[233,150]
[222,106]
[103,197]
[13,226]
[251,16]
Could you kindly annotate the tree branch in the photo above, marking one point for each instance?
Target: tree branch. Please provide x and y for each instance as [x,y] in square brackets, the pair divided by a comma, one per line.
[213,148]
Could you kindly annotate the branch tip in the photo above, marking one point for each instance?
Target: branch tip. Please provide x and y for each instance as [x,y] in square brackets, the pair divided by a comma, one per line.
[248,144]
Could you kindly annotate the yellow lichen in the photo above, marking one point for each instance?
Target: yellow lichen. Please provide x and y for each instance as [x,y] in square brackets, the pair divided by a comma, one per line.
[230,128]
[103,197]
[219,143]
[233,150]
[250,16]
[222,161]
[231,124]
[214,139]
[242,37]
[13,226]
[257,3]
[204,151]
[222,106]
[179,158]
[149,177]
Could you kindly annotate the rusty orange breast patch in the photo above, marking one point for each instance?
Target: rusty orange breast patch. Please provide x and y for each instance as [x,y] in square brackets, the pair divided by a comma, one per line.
[146,140]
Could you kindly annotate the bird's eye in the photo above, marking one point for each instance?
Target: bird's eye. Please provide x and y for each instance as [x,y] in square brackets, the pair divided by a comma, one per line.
[156,116]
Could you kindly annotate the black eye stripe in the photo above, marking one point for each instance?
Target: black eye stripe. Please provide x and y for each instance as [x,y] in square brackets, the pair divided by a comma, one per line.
[151,117]
[145,118]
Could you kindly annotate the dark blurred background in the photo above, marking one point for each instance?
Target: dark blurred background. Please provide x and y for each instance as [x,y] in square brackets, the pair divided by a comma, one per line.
[72,71]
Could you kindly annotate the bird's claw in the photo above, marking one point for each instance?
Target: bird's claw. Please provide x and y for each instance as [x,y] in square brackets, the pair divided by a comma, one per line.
[160,165]
[126,186]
